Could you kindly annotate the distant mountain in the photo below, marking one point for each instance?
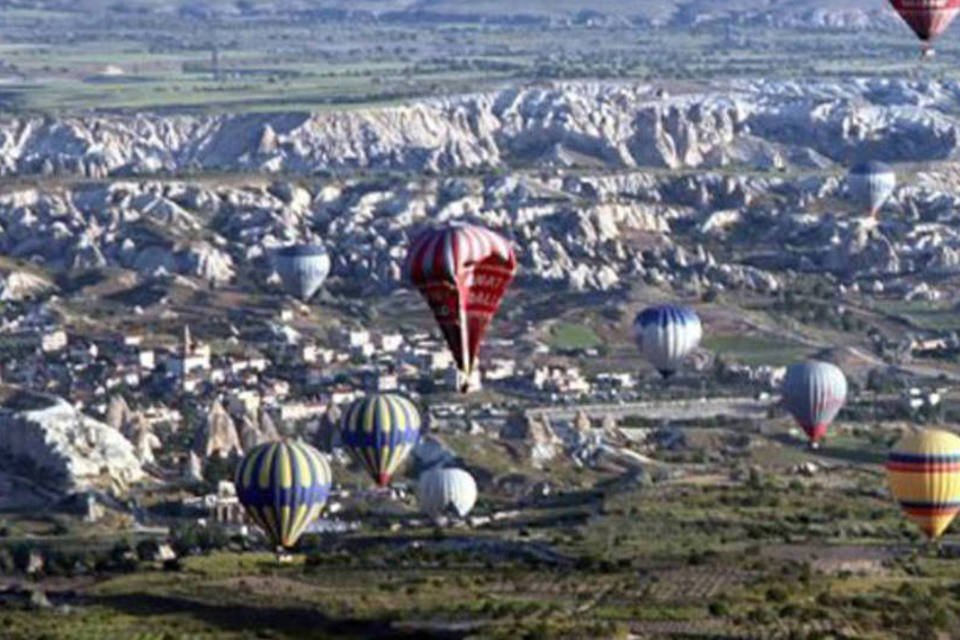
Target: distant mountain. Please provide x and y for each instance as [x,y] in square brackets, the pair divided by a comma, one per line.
[837,13]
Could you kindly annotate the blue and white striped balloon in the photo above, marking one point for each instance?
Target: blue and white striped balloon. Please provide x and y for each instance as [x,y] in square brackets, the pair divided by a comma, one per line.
[666,334]
[303,269]
[870,185]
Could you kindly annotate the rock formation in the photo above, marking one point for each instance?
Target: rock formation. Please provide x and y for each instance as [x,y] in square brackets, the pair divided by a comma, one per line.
[62,448]
[118,413]
[250,434]
[218,434]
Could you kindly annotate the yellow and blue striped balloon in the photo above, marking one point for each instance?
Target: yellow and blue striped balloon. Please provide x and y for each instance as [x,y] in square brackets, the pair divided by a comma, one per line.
[380,430]
[283,486]
[924,474]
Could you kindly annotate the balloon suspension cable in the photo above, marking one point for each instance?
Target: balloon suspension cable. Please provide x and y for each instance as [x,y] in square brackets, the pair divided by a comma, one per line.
[464,347]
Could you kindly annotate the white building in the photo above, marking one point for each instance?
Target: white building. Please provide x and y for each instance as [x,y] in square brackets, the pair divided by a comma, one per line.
[387,382]
[53,341]
[500,369]
[560,380]
[391,342]
[192,357]
[147,359]
[357,338]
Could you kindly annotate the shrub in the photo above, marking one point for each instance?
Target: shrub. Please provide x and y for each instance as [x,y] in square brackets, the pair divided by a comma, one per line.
[777,594]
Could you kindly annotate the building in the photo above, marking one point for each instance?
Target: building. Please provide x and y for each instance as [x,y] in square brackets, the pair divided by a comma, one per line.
[500,369]
[391,342]
[147,359]
[53,341]
[454,379]
[616,380]
[192,357]
[560,380]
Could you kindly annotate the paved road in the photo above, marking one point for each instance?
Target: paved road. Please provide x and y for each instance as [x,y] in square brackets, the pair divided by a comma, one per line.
[699,409]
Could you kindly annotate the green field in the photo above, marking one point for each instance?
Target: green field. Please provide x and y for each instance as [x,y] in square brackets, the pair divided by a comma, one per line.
[755,350]
[567,336]
[923,315]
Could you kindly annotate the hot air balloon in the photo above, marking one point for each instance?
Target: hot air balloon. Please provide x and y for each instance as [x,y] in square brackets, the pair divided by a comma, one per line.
[814,393]
[380,430]
[443,491]
[463,272]
[283,486]
[870,185]
[927,18]
[303,268]
[667,334]
[924,474]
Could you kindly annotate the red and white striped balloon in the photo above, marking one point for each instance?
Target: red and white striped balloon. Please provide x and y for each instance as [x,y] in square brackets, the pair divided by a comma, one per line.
[463,272]
[927,18]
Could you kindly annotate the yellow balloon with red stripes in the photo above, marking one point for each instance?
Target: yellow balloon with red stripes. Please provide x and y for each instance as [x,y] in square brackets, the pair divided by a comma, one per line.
[283,487]
[924,474]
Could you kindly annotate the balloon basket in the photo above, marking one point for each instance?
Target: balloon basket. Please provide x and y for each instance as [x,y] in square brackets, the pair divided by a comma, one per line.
[380,494]
[284,557]
[933,548]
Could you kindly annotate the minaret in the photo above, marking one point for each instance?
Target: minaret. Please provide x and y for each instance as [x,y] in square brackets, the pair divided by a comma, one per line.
[186,349]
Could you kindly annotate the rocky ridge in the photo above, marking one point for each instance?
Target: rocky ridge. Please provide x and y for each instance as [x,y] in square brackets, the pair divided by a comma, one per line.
[753,162]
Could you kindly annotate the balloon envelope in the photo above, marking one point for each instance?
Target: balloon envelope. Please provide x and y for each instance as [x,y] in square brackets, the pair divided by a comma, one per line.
[463,272]
[303,268]
[924,474]
[814,392]
[283,486]
[441,491]
[871,184]
[666,334]
[927,18]
[380,430]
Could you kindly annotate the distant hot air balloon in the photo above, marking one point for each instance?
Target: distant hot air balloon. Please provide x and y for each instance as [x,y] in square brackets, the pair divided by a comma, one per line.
[924,474]
[380,430]
[814,392]
[303,268]
[463,272]
[667,334]
[442,491]
[927,18]
[870,185]
[283,486]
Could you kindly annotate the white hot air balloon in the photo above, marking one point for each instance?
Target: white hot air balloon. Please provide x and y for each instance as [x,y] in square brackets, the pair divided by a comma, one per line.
[446,491]
[667,334]
[870,185]
[303,268]
[814,392]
